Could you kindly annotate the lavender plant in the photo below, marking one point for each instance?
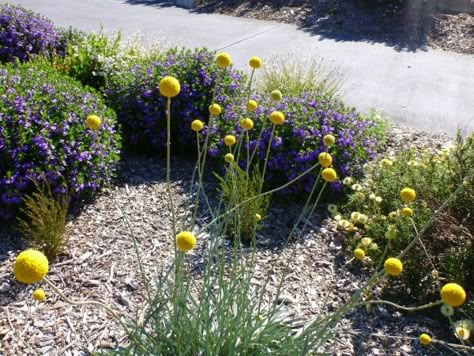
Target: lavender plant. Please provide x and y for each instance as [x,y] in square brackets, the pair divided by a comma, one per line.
[24,33]
[43,135]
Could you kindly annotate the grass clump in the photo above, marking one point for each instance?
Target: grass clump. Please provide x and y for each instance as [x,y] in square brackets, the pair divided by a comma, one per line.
[43,220]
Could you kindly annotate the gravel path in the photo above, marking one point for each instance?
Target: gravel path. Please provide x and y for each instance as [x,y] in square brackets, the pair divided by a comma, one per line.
[101,265]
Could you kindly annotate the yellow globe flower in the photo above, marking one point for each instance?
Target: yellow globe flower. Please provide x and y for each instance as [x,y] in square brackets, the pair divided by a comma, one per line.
[393,266]
[197,125]
[186,241]
[406,211]
[277,118]
[169,86]
[329,175]
[408,195]
[276,95]
[425,339]
[359,254]
[229,157]
[223,59]
[30,266]
[453,294]
[258,217]
[246,124]
[255,62]
[230,140]
[39,294]
[252,105]
[329,140]
[325,159]
[93,122]
[215,109]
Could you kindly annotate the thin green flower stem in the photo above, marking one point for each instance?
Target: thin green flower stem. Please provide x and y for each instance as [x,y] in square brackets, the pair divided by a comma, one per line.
[385,251]
[168,169]
[248,151]
[426,252]
[249,90]
[259,137]
[127,223]
[265,163]
[196,203]
[114,313]
[258,196]
[409,309]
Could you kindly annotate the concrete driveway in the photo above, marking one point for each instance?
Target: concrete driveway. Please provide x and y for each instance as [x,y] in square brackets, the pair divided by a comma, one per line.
[430,90]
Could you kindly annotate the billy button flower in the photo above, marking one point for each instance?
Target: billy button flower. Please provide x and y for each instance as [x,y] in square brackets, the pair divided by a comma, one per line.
[197,125]
[229,158]
[169,86]
[393,266]
[329,175]
[30,266]
[359,254]
[252,105]
[258,217]
[255,62]
[39,294]
[408,195]
[325,159]
[277,118]
[186,241]
[215,109]
[93,122]
[230,140]
[425,339]
[246,124]
[223,59]
[453,294]
[406,211]
[329,140]
[276,95]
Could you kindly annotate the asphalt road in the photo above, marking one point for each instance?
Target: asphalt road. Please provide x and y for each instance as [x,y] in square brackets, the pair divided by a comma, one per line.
[430,90]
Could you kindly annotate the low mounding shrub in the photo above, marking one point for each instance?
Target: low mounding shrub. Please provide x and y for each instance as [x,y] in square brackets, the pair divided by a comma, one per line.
[134,94]
[43,134]
[297,144]
[24,33]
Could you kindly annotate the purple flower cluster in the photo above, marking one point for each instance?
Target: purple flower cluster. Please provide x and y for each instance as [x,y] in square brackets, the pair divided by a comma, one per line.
[298,142]
[43,135]
[24,33]
[141,109]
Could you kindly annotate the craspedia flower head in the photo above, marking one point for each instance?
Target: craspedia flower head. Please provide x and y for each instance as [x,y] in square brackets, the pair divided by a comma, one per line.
[258,217]
[229,158]
[169,86]
[453,294]
[252,105]
[408,195]
[276,95]
[93,122]
[215,109]
[329,175]
[359,254]
[406,211]
[223,59]
[30,266]
[425,339]
[325,159]
[393,266]
[230,140]
[186,241]
[277,118]
[197,125]
[255,62]
[246,124]
[39,294]
[329,140]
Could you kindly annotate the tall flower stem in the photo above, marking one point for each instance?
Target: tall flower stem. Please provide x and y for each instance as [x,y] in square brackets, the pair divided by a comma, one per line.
[265,163]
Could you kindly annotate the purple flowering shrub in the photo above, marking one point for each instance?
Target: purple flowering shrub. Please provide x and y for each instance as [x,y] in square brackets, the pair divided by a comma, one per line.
[43,135]
[141,110]
[298,142]
[24,33]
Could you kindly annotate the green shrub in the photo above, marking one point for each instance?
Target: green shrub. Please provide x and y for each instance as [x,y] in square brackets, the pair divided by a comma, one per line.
[43,221]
